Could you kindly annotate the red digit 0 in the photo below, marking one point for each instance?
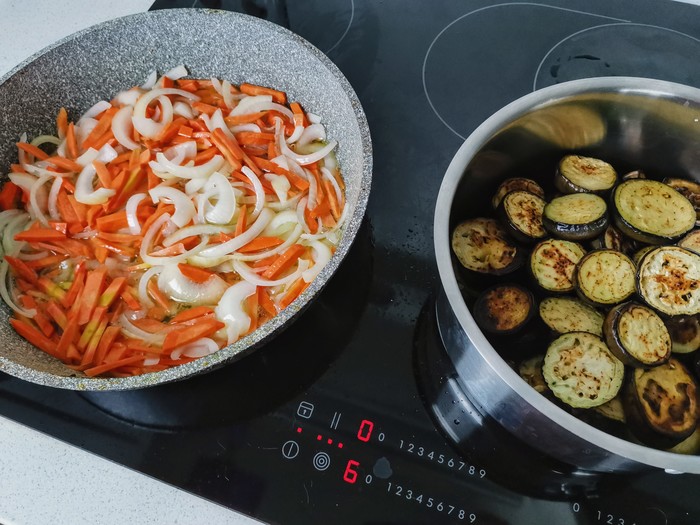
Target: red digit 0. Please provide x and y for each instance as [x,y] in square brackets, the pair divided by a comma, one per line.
[365,431]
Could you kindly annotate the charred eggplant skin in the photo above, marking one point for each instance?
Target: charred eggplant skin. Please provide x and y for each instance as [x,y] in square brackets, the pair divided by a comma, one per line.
[521,211]
[516,184]
[504,309]
[576,217]
[651,211]
[579,174]
[481,245]
[661,404]
[637,335]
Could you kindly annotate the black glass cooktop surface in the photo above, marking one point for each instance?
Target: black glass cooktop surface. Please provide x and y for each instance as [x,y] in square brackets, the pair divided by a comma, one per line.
[332,421]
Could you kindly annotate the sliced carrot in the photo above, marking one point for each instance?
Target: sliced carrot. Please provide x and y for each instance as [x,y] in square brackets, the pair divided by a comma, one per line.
[241,223]
[300,118]
[253,138]
[108,338]
[9,196]
[128,296]
[40,234]
[157,295]
[57,314]
[194,273]
[22,269]
[106,367]
[261,243]
[191,313]
[35,151]
[34,336]
[94,284]
[76,286]
[65,164]
[112,292]
[45,262]
[62,122]
[267,304]
[189,334]
[251,89]
[103,125]
[39,317]
[293,292]
[247,118]
[91,347]
[50,288]
[71,142]
[112,222]
[284,261]
[103,173]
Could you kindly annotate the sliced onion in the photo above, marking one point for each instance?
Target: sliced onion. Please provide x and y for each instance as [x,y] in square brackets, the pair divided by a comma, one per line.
[96,109]
[131,209]
[226,93]
[197,229]
[254,128]
[222,212]
[150,80]
[45,139]
[326,174]
[300,214]
[230,310]
[309,158]
[256,103]
[7,297]
[181,289]
[53,198]
[134,331]
[15,225]
[182,109]
[312,133]
[143,285]
[122,126]
[181,151]
[258,187]
[196,349]
[250,276]
[186,172]
[313,193]
[83,128]
[275,227]
[176,73]
[321,255]
[84,191]
[128,97]
[313,118]
[106,154]
[34,256]
[151,128]
[280,184]
[291,239]
[251,233]
[192,186]
[87,157]
[184,209]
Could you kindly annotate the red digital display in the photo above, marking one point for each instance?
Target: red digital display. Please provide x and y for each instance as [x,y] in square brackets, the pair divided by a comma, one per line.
[365,431]
[350,474]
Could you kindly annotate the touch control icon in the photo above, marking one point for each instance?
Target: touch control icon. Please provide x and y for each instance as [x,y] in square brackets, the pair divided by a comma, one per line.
[305,410]
[322,461]
[290,449]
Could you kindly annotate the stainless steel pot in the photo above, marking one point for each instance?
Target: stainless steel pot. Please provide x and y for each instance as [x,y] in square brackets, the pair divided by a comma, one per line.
[632,123]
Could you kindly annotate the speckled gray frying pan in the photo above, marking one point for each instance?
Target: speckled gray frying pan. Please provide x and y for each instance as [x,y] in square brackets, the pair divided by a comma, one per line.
[98,62]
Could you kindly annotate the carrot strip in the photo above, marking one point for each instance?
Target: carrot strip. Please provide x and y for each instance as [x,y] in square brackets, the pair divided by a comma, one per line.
[62,122]
[71,142]
[157,295]
[9,196]
[241,223]
[40,234]
[65,164]
[284,261]
[203,328]
[57,314]
[293,292]
[68,336]
[34,336]
[39,318]
[93,288]
[194,273]
[103,125]
[108,338]
[33,150]
[251,89]
[261,243]
[101,369]
[191,313]
[22,269]
[93,344]
[267,304]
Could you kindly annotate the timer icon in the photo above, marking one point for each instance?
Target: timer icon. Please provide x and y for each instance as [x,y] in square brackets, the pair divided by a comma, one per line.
[321,461]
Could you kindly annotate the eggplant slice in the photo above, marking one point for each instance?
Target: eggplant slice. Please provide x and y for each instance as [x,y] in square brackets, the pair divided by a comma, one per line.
[504,309]
[576,217]
[652,212]
[691,241]
[581,371]
[482,245]
[689,189]
[605,277]
[637,335]
[522,212]
[613,239]
[661,404]
[515,184]
[553,262]
[566,314]
[577,174]
[685,333]
[668,279]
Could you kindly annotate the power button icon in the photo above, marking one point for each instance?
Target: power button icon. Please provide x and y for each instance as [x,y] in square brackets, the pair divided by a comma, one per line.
[290,449]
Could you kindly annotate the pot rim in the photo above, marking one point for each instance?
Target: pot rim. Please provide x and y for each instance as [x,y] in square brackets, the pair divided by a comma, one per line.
[669,461]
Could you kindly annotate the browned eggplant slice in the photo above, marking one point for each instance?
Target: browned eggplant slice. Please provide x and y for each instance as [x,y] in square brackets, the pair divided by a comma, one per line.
[691,241]
[522,211]
[689,189]
[577,174]
[613,409]
[483,246]
[516,184]
[661,404]
[613,239]
[685,333]
[552,264]
[581,371]
[566,314]
[605,277]
[668,279]
[651,211]
[576,217]
[504,309]
[637,335]
[531,372]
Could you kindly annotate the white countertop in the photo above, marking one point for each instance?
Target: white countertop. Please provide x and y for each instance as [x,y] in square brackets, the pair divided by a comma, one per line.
[42,480]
